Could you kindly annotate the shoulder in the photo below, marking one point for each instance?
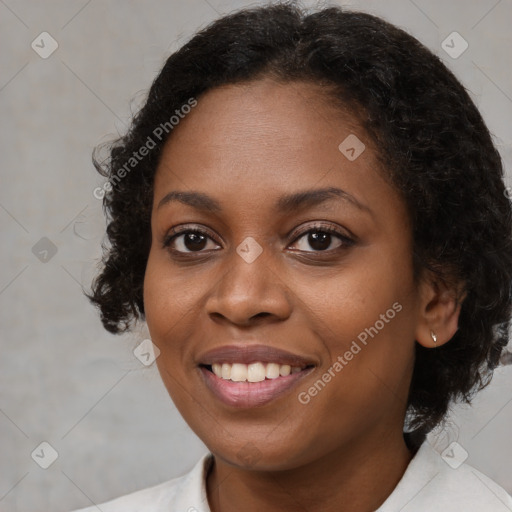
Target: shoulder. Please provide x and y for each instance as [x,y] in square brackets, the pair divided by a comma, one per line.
[186,493]
[432,482]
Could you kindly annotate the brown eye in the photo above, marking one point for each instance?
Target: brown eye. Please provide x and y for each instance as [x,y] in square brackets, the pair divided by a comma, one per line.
[321,239]
[191,240]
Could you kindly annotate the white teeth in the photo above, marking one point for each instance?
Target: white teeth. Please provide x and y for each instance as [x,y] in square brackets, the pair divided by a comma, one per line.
[253,372]
[285,370]
[226,371]
[238,372]
[272,371]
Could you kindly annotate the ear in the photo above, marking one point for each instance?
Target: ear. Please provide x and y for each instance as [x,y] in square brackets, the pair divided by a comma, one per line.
[439,310]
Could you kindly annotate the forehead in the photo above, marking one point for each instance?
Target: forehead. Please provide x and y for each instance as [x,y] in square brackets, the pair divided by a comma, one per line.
[262,139]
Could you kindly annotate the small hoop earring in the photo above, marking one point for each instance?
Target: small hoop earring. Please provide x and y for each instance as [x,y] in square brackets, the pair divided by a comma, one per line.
[434,337]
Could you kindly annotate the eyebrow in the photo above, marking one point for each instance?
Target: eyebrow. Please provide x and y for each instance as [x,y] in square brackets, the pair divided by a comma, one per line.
[285,204]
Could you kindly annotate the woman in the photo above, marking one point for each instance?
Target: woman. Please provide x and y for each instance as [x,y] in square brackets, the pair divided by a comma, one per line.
[310,215]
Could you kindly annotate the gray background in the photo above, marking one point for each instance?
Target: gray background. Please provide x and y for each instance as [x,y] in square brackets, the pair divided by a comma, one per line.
[63,379]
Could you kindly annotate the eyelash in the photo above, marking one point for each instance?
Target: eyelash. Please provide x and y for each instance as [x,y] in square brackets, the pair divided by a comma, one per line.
[346,241]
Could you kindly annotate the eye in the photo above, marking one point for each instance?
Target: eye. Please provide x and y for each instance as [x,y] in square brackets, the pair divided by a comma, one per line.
[319,238]
[188,240]
[322,238]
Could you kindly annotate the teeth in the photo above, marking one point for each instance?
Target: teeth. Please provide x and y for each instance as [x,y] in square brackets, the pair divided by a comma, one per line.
[226,371]
[238,372]
[272,371]
[285,370]
[253,372]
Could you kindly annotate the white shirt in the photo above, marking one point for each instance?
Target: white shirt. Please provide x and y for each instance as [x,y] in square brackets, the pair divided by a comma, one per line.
[429,484]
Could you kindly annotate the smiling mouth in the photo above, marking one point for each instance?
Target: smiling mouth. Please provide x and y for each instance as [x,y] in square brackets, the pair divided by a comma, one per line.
[253,372]
[246,393]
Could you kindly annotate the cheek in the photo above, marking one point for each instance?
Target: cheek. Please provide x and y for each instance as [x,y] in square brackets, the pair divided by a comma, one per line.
[169,291]
[172,300]
[365,374]
[365,317]
[369,289]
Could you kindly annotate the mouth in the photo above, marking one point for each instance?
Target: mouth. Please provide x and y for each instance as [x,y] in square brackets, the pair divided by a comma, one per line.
[253,372]
[252,375]
[247,394]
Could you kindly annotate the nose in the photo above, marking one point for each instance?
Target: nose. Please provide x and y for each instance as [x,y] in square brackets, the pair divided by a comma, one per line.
[249,293]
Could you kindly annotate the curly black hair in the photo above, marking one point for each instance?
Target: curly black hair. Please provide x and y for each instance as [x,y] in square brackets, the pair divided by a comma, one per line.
[430,138]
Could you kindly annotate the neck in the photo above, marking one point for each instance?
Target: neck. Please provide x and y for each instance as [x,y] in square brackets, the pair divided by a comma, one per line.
[357,478]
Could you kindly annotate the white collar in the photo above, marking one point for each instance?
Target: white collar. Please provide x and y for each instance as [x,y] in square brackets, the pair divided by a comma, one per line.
[428,483]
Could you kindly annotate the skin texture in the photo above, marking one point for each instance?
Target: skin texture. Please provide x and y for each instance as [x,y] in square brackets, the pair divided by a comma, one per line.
[246,146]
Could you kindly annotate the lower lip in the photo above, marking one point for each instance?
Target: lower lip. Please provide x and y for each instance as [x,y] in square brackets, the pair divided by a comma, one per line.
[251,394]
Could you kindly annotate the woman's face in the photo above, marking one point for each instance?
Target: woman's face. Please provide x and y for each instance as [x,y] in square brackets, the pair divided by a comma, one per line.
[267,277]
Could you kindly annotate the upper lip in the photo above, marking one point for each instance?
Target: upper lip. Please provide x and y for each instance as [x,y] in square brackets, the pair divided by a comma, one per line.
[251,354]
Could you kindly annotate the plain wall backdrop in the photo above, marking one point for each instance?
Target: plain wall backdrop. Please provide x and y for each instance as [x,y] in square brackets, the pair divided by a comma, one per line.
[63,379]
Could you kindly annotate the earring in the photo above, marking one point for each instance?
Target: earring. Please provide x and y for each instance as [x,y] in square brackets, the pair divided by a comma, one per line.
[434,337]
